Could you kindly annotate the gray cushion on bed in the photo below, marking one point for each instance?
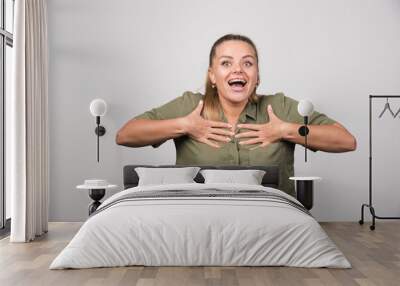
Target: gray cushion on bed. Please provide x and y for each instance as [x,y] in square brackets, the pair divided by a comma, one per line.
[270,179]
[162,176]
[248,177]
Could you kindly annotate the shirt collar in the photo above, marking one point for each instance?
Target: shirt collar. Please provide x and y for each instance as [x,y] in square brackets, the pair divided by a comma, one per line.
[251,110]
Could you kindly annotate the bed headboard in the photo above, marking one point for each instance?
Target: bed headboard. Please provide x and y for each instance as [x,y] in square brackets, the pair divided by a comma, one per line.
[270,179]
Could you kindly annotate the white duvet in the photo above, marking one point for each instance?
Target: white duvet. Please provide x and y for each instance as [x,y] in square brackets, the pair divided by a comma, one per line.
[200,231]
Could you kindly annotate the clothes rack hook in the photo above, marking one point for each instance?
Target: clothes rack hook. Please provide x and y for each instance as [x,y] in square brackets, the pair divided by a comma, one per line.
[387,107]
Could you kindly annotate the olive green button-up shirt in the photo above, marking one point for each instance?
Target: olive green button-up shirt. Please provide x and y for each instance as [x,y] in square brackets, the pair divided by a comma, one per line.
[192,152]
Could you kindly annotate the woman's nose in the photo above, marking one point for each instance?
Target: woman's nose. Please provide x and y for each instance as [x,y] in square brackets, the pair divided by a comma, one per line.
[237,68]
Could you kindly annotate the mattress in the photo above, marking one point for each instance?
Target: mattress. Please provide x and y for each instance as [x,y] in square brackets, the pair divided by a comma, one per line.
[201,225]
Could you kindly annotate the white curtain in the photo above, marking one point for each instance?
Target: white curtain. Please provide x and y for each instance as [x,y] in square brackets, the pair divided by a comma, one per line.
[27,132]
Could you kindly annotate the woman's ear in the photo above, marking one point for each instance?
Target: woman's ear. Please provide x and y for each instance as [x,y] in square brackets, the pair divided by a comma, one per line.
[211,75]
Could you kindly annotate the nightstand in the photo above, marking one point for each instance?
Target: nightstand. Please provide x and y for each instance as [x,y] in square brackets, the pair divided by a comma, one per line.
[97,190]
[305,190]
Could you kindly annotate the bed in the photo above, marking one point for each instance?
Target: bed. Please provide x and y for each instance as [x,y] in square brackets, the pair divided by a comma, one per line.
[201,224]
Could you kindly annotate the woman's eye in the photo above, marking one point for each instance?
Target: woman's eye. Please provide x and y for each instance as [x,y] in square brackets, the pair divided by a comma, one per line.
[225,63]
[248,64]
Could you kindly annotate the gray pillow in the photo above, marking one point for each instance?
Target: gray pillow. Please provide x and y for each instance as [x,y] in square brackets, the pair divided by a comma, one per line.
[162,176]
[248,177]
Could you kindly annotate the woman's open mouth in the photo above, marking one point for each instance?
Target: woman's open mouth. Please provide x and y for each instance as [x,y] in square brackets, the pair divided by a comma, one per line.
[237,84]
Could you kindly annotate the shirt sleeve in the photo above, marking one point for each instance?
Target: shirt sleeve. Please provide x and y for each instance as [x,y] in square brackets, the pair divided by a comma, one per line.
[178,107]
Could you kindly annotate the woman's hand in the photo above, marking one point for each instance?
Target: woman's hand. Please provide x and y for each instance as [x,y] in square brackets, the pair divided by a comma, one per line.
[265,134]
[203,130]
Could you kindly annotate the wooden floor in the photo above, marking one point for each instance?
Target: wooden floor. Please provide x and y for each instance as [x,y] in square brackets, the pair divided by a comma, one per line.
[374,255]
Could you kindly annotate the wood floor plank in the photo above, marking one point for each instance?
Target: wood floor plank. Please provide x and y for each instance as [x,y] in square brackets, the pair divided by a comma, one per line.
[374,255]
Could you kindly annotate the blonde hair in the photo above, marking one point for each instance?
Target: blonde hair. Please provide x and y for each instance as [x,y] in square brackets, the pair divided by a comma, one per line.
[212,105]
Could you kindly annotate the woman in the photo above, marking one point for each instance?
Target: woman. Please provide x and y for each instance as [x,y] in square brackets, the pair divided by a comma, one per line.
[230,124]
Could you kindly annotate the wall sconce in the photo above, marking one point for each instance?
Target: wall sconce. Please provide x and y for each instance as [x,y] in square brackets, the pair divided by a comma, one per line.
[305,109]
[98,108]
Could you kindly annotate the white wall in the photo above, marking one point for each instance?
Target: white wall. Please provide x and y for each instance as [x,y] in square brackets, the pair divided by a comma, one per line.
[140,54]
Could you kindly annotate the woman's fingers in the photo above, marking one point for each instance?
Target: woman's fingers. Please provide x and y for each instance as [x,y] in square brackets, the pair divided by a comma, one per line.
[199,108]
[221,131]
[250,126]
[212,144]
[251,141]
[219,124]
[247,134]
[218,138]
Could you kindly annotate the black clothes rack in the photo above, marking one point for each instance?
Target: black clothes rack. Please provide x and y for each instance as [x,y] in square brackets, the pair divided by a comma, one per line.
[371,208]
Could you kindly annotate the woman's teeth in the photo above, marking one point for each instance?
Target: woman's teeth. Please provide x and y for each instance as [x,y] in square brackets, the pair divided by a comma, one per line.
[237,82]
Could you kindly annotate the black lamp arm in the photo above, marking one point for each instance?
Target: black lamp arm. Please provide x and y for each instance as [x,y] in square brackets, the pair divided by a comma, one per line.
[303,131]
[100,131]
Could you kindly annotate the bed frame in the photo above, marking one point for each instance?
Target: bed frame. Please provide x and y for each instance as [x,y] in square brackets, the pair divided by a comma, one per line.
[270,179]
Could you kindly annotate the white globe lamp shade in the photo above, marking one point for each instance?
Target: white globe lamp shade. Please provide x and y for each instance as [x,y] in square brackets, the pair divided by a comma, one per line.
[305,108]
[98,107]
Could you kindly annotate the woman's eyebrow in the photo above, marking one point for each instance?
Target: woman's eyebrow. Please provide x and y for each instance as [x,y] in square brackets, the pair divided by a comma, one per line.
[248,56]
[229,57]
